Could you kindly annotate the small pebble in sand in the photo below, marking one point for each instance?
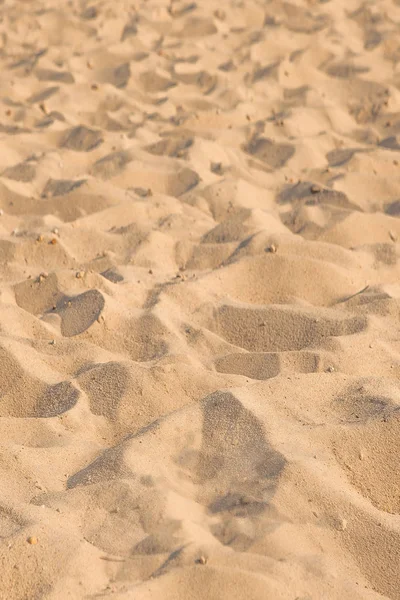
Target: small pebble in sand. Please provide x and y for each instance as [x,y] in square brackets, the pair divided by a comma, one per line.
[271,248]
[1,212]
[220,14]
[56,231]
[80,274]
[217,168]
[40,238]
[32,540]
[315,189]
[330,369]
[53,241]
[52,342]
[393,236]
[202,560]
[43,276]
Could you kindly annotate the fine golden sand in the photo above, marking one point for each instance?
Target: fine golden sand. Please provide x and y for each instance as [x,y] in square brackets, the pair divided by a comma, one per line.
[200,300]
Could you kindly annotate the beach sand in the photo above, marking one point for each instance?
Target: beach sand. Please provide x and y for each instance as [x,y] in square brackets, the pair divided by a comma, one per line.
[200,300]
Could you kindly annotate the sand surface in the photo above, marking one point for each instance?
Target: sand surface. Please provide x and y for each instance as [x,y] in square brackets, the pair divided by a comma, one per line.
[200,300]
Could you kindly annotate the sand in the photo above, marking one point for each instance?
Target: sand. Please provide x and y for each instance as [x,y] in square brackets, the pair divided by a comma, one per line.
[200,300]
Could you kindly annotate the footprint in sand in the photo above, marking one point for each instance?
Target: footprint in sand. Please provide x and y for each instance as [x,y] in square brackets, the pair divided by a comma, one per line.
[82,139]
[78,313]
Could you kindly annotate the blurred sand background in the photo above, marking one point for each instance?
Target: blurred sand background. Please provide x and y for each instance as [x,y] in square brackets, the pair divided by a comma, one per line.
[200,299]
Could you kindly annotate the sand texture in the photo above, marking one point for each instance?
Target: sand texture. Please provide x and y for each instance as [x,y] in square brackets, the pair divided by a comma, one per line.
[200,299]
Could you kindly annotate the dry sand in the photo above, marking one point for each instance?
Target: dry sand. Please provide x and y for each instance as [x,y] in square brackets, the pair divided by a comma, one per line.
[200,299]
